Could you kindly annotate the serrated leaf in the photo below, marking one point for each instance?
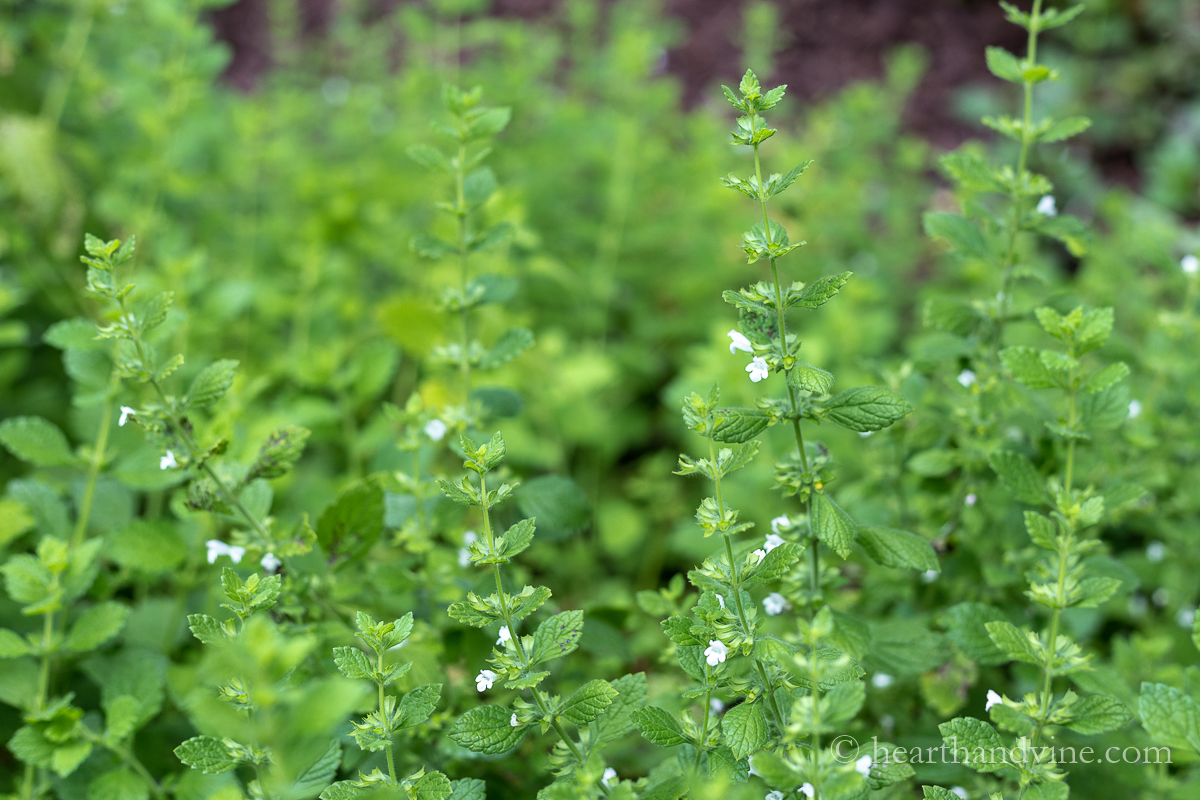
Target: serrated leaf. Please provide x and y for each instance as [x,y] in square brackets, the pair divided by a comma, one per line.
[13,645]
[36,441]
[738,425]
[832,525]
[1098,714]
[745,729]
[962,235]
[1064,129]
[819,292]
[777,563]
[1105,377]
[1025,365]
[314,780]
[95,626]
[557,636]
[617,719]
[118,784]
[1014,642]
[211,384]
[966,624]
[658,726]
[810,379]
[866,408]
[1170,716]
[511,344]
[418,704]
[588,702]
[348,528]
[487,730]
[352,663]
[1004,65]
[208,754]
[1019,476]
[975,743]
[895,548]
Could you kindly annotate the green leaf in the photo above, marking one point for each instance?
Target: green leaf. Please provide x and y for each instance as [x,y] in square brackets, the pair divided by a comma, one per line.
[895,548]
[832,525]
[118,784]
[866,408]
[810,379]
[1025,365]
[774,565]
[1004,65]
[348,528]
[352,663]
[745,729]
[1014,643]
[432,786]
[974,743]
[208,754]
[418,704]
[843,702]
[314,780]
[658,726]
[152,546]
[478,187]
[558,503]
[487,730]
[1019,475]
[557,636]
[588,702]
[511,344]
[962,235]
[1064,128]
[279,453]
[122,715]
[617,720]
[1069,230]
[738,425]
[819,292]
[1098,714]
[211,384]
[13,645]
[37,441]
[1170,716]
[96,626]
[430,157]
[468,789]
[15,519]
[1105,377]
[776,772]
[207,629]
[966,624]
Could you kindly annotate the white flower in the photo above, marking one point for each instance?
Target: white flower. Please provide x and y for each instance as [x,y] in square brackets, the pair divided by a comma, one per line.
[715,652]
[1190,264]
[929,576]
[126,413]
[966,377]
[464,553]
[1156,551]
[959,791]
[1160,597]
[609,776]
[716,706]
[993,699]
[807,790]
[1135,409]
[1047,207]
[778,523]
[721,602]
[504,635]
[484,680]
[773,540]
[739,342]
[435,429]
[971,499]
[881,680]
[1186,617]
[774,796]
[513,721]
[168,461]
[759,555]
[758,369]
[270,562]
[774,603]
[863,766]
[217,548]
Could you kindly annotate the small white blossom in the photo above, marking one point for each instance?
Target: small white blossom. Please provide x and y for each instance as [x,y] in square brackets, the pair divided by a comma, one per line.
[993,699]
[270,562]
[168,461]
[774,796]
[126,413]
[774,604]
[1186,617]
[807,790]
[881,680]
[716,706]
[1190,264]
[1047,207]
[609,776]
[778,523]
[929,576]
[966,377]
[759,369]
[863,766]
[1156,551]
[721,602]
[484,680]
[715,652]
[971,499]
[866,434]
[773,540]
[739,342]
[504,635]
[513,721]
[1135,409]
[217,548]
[1160,597]
[759,555]
[435,429]
[959,792]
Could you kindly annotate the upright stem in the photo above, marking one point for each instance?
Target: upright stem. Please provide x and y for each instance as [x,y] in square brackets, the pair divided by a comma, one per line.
[464,265]
[96,463]
[704,724]
[391,761]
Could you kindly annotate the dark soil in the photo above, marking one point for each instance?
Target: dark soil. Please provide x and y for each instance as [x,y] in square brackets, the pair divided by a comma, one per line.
[828,44]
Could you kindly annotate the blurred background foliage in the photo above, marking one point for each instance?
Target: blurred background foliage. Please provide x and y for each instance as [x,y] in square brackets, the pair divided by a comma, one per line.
[271,192]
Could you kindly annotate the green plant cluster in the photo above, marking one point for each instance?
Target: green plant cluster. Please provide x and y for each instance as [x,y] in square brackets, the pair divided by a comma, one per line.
[355,472]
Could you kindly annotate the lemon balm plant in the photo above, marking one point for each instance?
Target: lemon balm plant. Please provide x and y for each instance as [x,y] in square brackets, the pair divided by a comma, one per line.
[789,693]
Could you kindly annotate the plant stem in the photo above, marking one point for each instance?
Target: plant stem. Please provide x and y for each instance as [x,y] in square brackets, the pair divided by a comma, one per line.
[464,265]
[96,463]
[704,724]
[391,761]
